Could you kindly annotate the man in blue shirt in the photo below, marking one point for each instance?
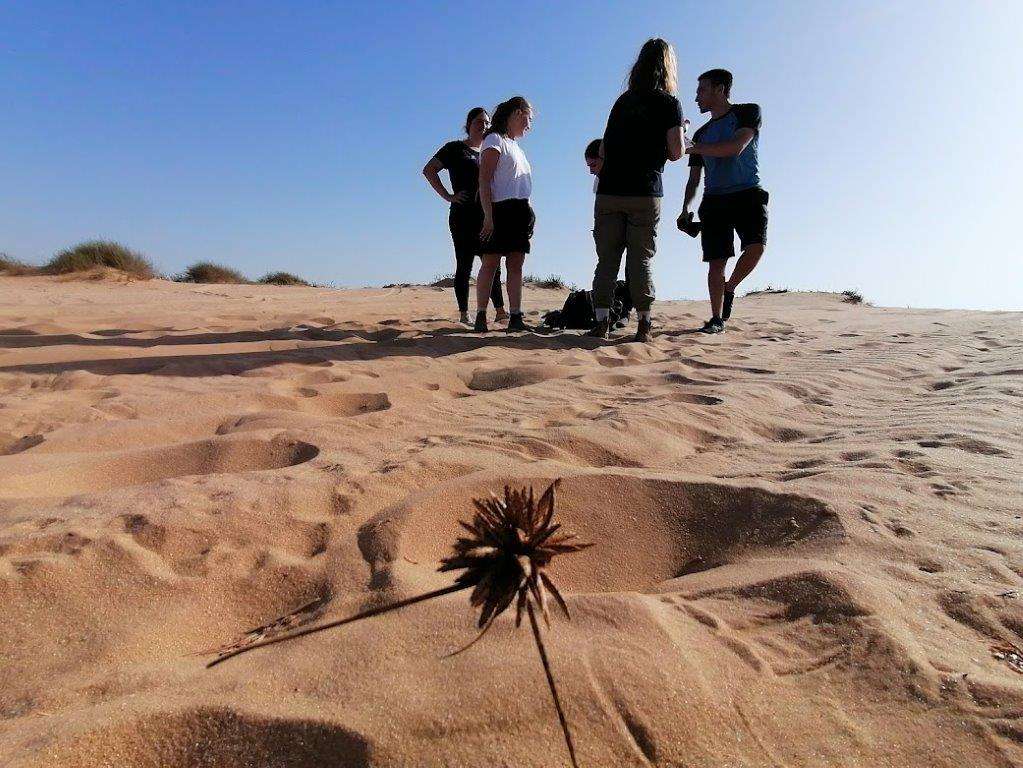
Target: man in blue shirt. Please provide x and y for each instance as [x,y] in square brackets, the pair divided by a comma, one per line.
[733,200]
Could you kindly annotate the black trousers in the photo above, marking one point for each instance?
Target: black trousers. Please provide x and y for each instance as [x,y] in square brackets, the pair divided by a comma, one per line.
[465,223]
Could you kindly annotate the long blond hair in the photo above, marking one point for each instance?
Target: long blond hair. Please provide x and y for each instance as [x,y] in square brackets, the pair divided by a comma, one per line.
[656,68]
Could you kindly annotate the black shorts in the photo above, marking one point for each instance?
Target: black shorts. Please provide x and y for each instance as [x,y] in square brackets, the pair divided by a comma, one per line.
[723,216]
[465,222]
[513,228]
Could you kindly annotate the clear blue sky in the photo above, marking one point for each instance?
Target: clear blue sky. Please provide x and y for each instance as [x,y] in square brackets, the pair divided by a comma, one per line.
[292,135]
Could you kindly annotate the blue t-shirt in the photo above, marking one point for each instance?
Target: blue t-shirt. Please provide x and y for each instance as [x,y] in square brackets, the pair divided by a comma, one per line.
[730,174]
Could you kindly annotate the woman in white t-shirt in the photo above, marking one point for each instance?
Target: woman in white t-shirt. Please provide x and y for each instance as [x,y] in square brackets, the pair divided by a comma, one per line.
[505,185]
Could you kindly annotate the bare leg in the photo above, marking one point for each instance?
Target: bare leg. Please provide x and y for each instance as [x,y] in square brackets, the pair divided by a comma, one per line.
[716,285]
[513,280]
[746,264]
[485,280]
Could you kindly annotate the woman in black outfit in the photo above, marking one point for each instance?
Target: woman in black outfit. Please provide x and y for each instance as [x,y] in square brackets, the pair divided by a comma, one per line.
[461,159]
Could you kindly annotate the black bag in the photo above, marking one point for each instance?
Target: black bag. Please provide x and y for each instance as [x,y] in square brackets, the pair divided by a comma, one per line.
[578,310]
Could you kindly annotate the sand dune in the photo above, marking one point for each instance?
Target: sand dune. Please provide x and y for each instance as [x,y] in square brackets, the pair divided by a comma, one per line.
[808,531]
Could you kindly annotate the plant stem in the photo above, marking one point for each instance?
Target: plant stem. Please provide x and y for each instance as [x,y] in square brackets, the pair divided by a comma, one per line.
[550,681]
[330,625]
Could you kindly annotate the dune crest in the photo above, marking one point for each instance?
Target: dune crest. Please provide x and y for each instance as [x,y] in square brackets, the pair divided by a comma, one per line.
[807,531]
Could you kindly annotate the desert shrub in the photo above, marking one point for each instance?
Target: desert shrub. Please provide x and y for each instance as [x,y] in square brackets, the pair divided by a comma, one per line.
[208,272]
[13,267]
[551,281]
[852,297]
[768,289]
[99,253]
[282,278]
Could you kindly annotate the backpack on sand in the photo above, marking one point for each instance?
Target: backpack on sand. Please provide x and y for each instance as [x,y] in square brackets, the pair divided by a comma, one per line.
[578,311]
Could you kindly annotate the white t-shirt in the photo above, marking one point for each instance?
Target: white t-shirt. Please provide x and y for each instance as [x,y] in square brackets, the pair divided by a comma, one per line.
[513,178]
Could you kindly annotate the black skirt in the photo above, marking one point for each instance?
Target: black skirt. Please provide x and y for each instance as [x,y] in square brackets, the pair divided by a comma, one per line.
[513,228]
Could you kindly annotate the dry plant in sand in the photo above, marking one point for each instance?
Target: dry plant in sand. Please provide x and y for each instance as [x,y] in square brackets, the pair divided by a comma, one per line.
[208,272]
[100,253]
[502,558]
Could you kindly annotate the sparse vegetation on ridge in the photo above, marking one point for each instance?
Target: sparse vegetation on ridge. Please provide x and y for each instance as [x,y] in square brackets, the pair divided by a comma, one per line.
[99,253]
[208,272]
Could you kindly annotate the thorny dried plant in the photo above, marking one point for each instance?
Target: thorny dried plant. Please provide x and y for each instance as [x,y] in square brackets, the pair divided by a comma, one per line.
[502,558]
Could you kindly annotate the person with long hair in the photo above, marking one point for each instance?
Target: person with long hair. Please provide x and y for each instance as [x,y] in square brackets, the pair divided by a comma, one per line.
[461,159]
[506,182]
[644,130]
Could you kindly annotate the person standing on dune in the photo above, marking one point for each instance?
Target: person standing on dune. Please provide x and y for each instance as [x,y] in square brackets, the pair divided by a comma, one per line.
[733,200]
[461,159]
[643,131]
[506,182]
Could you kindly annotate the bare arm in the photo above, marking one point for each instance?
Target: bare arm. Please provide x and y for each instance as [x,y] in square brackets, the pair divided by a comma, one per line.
[730,148]
[488,164]
[695,173]
[432,173]
[675,143]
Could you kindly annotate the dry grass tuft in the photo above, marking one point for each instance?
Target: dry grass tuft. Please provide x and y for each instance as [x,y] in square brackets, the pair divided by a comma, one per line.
[208,272]
[551,281]
[282,278]
[502,558]
[768,289]
[99,253]
[14,268]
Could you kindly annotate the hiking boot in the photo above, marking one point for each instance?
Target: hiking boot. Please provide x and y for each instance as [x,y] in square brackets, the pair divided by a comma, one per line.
[726,310]
[714,325]
[501,315]
[602,330]
[516,323]
[481,323]
[643,332]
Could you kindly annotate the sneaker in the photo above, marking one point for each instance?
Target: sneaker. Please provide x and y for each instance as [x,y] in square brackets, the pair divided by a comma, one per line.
[602,330]
[501,315]
[714,325]
[643,332]
[481,323]
[726,310]
[516,323]
[463,318]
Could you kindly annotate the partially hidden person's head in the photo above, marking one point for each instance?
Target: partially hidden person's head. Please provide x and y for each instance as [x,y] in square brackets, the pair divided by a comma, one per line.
[713,88]
[512,118]
[476,124]
[656,68]
[592,156]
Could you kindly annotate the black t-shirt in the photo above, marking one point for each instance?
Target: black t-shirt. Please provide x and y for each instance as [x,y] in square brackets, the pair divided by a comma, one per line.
[463,166]
[636,143]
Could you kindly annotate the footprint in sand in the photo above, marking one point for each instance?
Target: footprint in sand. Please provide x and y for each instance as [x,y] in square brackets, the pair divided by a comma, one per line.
[27,475]
[694,399]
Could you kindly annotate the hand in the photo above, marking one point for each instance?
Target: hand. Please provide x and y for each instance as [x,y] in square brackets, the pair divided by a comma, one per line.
[691,149]
[488,228]
[683,218]
[458,198]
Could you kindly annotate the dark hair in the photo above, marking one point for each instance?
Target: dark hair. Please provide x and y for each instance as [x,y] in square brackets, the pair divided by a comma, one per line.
[718,77]
[503,111]
[473,114]
[593,149]
[655,68]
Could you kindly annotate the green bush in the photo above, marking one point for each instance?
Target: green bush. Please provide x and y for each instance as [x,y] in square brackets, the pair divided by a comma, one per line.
[99,253]
[207,272]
